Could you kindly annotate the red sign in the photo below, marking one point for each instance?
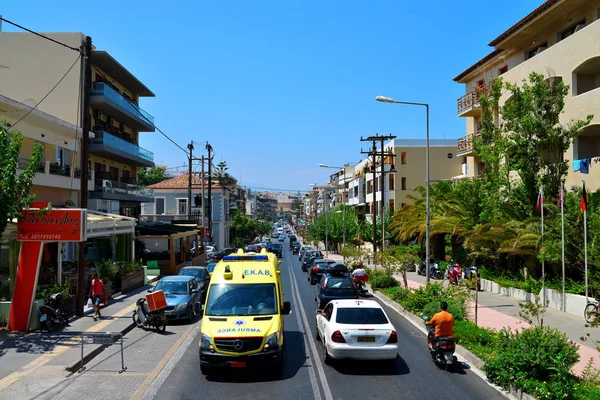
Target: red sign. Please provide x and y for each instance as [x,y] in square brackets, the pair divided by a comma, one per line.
[56,225]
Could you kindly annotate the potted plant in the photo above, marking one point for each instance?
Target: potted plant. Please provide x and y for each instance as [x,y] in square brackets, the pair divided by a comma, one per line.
[132,275]
[68,303]
[106,272]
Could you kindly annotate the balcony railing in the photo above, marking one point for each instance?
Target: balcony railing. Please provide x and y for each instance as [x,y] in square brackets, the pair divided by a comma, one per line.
[24,161]
[124,145]
[107,186]
[471,99]
[465,144]
[103,89]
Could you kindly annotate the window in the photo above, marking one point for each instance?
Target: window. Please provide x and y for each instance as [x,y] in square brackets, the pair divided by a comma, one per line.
[571,30]
[502,70]
[403,183]
[114,173]
[61,156]
[181,206]
[391,205]
[391,182]
[159,205]
[403,205]
[362,316]
[536,50]
[403,158]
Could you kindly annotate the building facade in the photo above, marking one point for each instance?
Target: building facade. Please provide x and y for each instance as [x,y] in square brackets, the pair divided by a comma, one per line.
[559,39]
[34,65]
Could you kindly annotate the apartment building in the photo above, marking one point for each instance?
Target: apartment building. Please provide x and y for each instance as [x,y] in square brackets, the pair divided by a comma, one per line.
[559,39]
[266,206]
[34,65]
[402,173]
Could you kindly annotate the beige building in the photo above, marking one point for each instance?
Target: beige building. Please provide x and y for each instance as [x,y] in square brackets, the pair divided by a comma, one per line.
[402,173]
[33,65]
[560,39]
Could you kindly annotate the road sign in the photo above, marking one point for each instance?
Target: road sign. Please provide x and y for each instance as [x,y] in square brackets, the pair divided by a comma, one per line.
[105,337]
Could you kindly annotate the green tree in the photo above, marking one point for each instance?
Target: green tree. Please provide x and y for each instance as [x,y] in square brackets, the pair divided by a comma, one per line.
[15,187]
[223,177]
[264,227]
[150,176]
[243,229]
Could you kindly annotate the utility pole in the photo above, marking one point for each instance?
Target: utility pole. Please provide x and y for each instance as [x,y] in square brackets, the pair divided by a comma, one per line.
[382,187]
[203,184]
[209,210]
[85,137]
[190,158]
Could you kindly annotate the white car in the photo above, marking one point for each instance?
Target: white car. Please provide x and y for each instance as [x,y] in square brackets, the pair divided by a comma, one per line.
[356,329]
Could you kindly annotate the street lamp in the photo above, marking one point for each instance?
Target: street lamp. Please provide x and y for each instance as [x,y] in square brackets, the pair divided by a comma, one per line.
[384,99]
[343,199]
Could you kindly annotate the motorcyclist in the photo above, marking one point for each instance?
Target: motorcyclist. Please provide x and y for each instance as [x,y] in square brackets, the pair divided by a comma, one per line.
[359,270]
[442,325]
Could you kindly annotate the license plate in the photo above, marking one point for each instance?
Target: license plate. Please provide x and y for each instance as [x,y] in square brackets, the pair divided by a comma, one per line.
[369,339]
[43,317]
[237,364]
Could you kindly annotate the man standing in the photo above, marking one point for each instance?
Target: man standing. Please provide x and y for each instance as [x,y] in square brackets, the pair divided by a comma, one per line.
[97,294]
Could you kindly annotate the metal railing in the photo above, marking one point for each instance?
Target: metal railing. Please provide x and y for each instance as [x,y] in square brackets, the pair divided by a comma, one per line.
[122,144]
[107,186]
[103,89]
[471,99]
[465,143]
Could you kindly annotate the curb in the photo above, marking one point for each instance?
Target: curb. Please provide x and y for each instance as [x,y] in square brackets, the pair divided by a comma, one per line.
[74,367]
[460,350]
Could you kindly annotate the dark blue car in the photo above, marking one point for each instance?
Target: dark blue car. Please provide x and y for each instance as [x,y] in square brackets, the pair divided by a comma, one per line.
[183,296]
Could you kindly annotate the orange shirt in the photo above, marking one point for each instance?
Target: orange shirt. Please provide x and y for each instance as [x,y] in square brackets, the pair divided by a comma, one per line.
[444,324]
[97,287]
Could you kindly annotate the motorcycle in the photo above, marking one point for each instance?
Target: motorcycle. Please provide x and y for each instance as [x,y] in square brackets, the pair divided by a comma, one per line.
[361,284]
[471,273]
[442,350]
[454,273]
[51,313]
[143,318]
[434,270]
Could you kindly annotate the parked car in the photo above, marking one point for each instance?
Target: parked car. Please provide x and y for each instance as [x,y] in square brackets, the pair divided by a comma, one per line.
[210,267]
[275,248]
[307,256]
[252,248]
[336,284]
[317,268]
[356,329]
[183,296]
[220,254]
[295,248]
[202,278]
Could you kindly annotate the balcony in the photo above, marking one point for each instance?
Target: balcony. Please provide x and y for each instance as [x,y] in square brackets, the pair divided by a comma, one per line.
[108,100]
[107,189]
[119,149]
[54,175]
[468,105]
[465,145]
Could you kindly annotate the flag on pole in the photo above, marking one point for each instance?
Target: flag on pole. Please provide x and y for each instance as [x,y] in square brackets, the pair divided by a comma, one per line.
[584,199]
[561,198]
[540,200]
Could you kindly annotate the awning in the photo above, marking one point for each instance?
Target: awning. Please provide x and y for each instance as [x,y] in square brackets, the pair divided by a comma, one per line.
[104,224]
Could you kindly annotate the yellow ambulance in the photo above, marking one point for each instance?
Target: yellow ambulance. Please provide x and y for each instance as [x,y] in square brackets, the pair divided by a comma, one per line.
[242,326]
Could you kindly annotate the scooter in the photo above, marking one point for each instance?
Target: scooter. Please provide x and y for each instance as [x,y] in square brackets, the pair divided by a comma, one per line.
[471,273]
[51,314]
[442,351]
[143,318]
[434,270]
[454,273]
[361,284]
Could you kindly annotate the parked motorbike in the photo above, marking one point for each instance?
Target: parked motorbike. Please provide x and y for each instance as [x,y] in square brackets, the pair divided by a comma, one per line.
[471,273]
[454,273]
[442,350]
[434,270]
[144,318]
[51,314]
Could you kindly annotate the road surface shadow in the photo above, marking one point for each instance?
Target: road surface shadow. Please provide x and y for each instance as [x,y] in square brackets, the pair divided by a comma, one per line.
[293,359]
[368,367]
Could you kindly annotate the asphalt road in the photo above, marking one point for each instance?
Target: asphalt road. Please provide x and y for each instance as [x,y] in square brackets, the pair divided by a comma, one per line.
[306,376]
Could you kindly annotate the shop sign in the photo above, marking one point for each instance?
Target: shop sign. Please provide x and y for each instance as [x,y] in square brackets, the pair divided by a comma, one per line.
[56,225]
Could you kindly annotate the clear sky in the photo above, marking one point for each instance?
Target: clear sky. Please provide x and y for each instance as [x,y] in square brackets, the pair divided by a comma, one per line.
[278,87]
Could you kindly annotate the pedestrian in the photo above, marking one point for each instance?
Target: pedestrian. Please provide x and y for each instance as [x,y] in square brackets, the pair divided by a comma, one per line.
[97,293]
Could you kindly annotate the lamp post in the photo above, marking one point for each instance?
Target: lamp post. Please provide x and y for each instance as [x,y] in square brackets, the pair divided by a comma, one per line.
[343,199]
[428,209]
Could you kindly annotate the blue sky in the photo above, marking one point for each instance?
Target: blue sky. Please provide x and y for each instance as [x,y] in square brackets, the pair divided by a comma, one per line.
[278,87]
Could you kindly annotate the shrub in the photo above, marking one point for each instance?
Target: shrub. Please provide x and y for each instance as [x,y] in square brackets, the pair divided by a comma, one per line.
[536,360]
[106,270]
[474,338]
[383,281]
[456,308]
[131,266]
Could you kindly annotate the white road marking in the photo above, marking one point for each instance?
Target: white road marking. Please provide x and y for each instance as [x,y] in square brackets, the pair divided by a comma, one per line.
[311,340]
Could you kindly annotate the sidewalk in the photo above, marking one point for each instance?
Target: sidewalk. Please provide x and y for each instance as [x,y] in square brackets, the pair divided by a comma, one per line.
[497,311]
[53,353]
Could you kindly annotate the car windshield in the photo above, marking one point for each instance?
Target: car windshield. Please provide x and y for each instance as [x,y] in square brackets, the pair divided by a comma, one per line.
[172,287]
[339,283]
[211,267]
[196,273]
[241,299]
[360,316]
[324,264]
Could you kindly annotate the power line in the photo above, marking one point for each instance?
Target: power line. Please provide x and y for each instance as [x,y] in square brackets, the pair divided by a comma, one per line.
[47,94]
[42,36]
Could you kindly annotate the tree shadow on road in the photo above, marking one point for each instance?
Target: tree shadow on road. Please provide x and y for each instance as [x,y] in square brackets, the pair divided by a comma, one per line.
[294,358]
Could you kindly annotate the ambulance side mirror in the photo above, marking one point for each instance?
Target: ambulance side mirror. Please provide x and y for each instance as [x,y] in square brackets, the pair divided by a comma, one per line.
[287,308]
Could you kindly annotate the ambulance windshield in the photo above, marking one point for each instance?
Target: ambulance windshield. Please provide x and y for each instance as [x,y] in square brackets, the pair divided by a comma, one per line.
[241,299]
